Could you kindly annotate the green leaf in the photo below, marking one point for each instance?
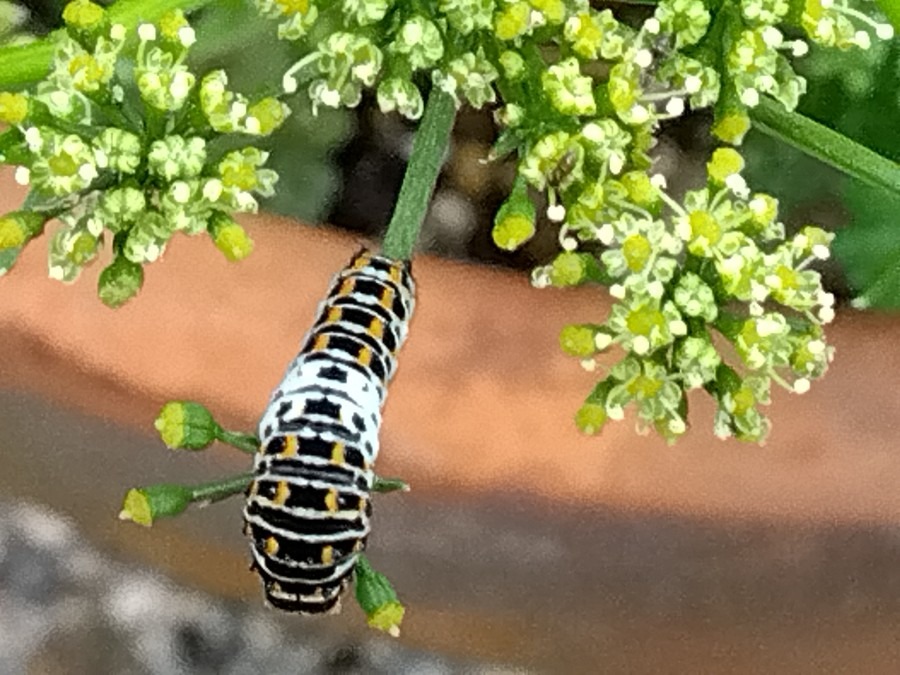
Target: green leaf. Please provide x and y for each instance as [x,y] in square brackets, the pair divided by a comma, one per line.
[869,249]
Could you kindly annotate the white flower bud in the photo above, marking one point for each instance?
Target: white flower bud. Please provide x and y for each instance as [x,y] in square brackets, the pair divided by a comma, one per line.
[640,345]
[147,32]
[186,36]
[884,31]
[615,413]
[557,213]
[643,58]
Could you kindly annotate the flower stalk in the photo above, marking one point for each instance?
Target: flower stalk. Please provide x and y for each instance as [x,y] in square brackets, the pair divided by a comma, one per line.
[145,505]
[429,147]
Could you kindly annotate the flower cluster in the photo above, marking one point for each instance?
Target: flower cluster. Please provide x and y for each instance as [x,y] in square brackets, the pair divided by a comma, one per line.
[689,277]
[119,144]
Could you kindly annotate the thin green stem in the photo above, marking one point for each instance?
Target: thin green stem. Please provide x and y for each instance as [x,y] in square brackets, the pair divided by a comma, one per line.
[223,488]
[23,64]
[389,485]
[827,145]
[244,442]
[432,139]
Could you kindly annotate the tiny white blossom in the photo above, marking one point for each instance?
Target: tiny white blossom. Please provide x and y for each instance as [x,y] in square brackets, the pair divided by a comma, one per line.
[692,84]
[799,48]
[750,98]
[212,189]
[569,244]
[557,213]
[643,58]
[821,252]
[289,84]
[678,328]
[22,175]
[772,36]
[606,234]
[617,291]
[181,192]
[640,345]
[615,413]
[186,36]
[589,365]
[603,340]
[87,172]
[147,32]
[884,31]
[675,107]
[658,181]
[117,32]
[677,426]
[801,385]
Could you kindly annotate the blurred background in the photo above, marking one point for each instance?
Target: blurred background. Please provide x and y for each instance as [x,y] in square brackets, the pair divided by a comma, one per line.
[523,546]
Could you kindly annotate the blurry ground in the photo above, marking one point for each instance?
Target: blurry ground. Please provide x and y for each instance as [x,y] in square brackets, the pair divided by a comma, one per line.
[495,579]
[65,608]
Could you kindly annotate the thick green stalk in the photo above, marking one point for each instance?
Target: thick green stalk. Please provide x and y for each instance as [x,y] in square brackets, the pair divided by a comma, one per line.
[432,139]
[23,64]
[826,145]
[218,490]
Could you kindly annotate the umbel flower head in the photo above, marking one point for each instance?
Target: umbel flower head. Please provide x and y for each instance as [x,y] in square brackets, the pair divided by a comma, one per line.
[688,277]
[118,144]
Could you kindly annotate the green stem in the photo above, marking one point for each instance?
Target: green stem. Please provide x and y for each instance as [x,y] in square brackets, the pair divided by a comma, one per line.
[23,64]
[432,139]
[826,145]
[223,488]
[389,485]
[244,442]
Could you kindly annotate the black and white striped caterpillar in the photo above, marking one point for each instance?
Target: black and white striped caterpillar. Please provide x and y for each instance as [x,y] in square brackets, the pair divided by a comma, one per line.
[308,508]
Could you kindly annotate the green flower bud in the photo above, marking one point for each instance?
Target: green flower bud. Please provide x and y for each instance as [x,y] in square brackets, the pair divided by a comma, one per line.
[579,340]
[377,598]
[571,268]
[145,505]
[119,282]
[269,114]
[513,65]
[512,20]
[186,425]
[230,238]
[590,418]
[17,227]
[84,15]
[171,23]
[640,189]
[732,127]
[725,162]
[514,223]
[13,107]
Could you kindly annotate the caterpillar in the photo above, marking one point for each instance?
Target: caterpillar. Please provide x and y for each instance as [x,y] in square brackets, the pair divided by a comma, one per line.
[307,511]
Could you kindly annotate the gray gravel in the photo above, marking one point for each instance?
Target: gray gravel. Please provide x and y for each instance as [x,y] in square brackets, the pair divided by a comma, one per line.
[66,608]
